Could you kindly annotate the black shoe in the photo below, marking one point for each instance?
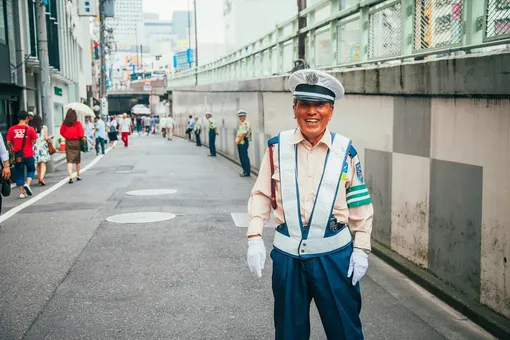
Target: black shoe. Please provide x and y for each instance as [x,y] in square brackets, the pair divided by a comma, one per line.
[211,155]
[78,178]
[70,181]
[244,175]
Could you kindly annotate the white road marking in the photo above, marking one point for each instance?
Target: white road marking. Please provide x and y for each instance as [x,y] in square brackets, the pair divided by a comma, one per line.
[141,217]
[151,192]
[241,220]
[45,193]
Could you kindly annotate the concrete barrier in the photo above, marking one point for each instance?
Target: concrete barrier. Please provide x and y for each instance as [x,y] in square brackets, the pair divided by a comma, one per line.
[434,140]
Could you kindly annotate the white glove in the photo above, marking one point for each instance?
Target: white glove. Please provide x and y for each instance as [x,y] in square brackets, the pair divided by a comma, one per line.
[256,255]
[358,265]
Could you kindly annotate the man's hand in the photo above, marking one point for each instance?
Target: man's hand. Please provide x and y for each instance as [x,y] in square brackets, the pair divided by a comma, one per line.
[6,171]
[358,265]
[256,255]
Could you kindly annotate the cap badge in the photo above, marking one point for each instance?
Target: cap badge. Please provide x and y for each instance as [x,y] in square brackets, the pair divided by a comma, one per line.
[312,78]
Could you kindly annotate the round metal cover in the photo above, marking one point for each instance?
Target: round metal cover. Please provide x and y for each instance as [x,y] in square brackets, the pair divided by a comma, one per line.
[151,192]
[141,217]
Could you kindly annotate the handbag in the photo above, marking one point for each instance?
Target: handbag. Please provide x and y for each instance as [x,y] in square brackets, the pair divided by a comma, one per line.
[84,145]
[51,147]
[18,155]
[5,186]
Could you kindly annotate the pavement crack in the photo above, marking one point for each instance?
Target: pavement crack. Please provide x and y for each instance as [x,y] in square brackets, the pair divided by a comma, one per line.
[39,315]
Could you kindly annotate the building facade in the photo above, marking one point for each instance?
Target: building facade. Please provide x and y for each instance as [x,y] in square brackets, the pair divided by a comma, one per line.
[68,52]
[247,20]
[127,24]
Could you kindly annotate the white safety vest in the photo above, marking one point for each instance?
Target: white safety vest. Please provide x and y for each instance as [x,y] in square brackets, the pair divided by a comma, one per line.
[314,239]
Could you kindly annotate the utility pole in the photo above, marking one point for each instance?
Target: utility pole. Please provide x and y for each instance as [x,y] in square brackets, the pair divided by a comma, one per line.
[44,67]
[102,49]
[301,24]
[196,40]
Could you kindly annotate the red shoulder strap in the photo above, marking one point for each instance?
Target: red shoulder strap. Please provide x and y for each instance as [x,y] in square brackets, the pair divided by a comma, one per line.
[273,182]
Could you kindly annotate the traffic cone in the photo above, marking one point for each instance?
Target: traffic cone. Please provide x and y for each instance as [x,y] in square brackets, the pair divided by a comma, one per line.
[62,146]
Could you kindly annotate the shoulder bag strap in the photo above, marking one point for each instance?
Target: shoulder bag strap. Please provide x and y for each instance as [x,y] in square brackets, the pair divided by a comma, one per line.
[24,139]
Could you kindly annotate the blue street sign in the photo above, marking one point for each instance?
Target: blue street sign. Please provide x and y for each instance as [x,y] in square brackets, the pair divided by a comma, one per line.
[184,60]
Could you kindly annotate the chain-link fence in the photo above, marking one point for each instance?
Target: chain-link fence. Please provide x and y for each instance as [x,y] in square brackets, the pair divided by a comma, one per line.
[385,30]
[497,18]
[323,53]
[437,23]
[349,41]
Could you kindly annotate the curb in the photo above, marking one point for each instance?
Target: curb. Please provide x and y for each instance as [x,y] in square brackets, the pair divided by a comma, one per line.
[492,322]
[483,316]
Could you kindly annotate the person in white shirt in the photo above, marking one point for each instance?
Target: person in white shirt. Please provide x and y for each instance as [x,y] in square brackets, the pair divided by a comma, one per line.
[170,127]
[125,128]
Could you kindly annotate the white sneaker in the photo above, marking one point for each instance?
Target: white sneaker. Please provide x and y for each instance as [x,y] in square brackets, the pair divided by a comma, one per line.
[28,190]
[22,196]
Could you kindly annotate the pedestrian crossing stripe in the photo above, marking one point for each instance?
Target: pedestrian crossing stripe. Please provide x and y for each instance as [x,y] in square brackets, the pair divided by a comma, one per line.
[357,196]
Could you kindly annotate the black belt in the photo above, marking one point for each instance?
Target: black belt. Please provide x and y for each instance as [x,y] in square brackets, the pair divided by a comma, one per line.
[332,227]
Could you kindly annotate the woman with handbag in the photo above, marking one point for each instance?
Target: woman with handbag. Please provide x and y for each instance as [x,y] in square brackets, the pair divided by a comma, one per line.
[20,140]
[73,132]
[41,148]
[6,172]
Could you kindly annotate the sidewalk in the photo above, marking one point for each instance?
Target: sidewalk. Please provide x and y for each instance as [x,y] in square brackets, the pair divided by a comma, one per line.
[68,273]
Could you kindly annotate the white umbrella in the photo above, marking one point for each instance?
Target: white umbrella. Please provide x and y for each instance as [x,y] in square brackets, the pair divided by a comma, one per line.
[79,108]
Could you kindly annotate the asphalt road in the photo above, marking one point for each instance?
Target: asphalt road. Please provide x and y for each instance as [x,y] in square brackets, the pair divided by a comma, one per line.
[67,273]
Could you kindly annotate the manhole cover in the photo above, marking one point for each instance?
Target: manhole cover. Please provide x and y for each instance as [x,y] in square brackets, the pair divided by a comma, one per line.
[141,217]
[151,192]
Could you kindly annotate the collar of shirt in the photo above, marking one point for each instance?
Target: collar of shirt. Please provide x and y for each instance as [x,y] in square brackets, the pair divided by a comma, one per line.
[299,138]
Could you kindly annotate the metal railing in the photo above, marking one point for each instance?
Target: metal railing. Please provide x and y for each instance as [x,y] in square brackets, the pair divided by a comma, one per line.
[370,32]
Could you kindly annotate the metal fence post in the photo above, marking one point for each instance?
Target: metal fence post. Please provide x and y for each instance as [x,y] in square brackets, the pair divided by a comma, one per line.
[474,22]
[333,31]
[408,12]
[311,39]
[364,22]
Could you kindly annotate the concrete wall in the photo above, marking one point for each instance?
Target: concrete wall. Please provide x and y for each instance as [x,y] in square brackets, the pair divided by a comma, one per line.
[436,158]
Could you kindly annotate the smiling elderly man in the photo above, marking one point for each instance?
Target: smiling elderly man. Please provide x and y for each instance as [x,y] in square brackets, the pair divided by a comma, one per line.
[312,179]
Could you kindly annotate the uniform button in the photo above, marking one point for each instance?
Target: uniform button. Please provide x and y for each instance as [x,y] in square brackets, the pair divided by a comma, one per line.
[304,244]
[302,250]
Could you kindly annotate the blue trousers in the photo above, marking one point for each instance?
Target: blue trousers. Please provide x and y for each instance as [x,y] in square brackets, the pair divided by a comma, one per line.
[243,157]
[324,278]
[197,137]
[99,140]
[29,164]
[212,142]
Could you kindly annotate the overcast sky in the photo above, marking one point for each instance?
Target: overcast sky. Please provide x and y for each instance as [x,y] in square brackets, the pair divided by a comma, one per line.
[209,15]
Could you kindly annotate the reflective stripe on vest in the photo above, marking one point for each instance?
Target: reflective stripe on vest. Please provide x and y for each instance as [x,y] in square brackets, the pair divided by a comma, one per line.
[310,241]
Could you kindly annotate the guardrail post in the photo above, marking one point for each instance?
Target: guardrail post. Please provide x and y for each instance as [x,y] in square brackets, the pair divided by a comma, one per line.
[333,31]
[279,60]
[474,22]
[408,39]
[364,22]
[311,39]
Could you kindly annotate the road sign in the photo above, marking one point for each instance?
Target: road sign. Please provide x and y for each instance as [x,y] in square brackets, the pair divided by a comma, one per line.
[184,60]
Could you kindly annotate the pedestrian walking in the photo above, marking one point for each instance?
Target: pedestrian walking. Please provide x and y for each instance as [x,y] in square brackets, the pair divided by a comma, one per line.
[139,125]
[6,170]
[197,129]
[313,181]
[147,123]
[191,126]
[162,125]
[89,132]
[112,131]
[125,128]
[73,132]
[20,141]
[212,134]
[100,134]
[242,141]
[170,123]
[41,149]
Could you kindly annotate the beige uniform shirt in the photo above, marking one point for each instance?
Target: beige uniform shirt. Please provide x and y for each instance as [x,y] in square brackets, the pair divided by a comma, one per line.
[357,214]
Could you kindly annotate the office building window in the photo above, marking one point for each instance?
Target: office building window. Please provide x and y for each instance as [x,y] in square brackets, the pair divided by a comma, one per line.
[3,35]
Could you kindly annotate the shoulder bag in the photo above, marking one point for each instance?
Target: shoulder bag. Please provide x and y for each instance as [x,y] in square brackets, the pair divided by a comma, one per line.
[18,155]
